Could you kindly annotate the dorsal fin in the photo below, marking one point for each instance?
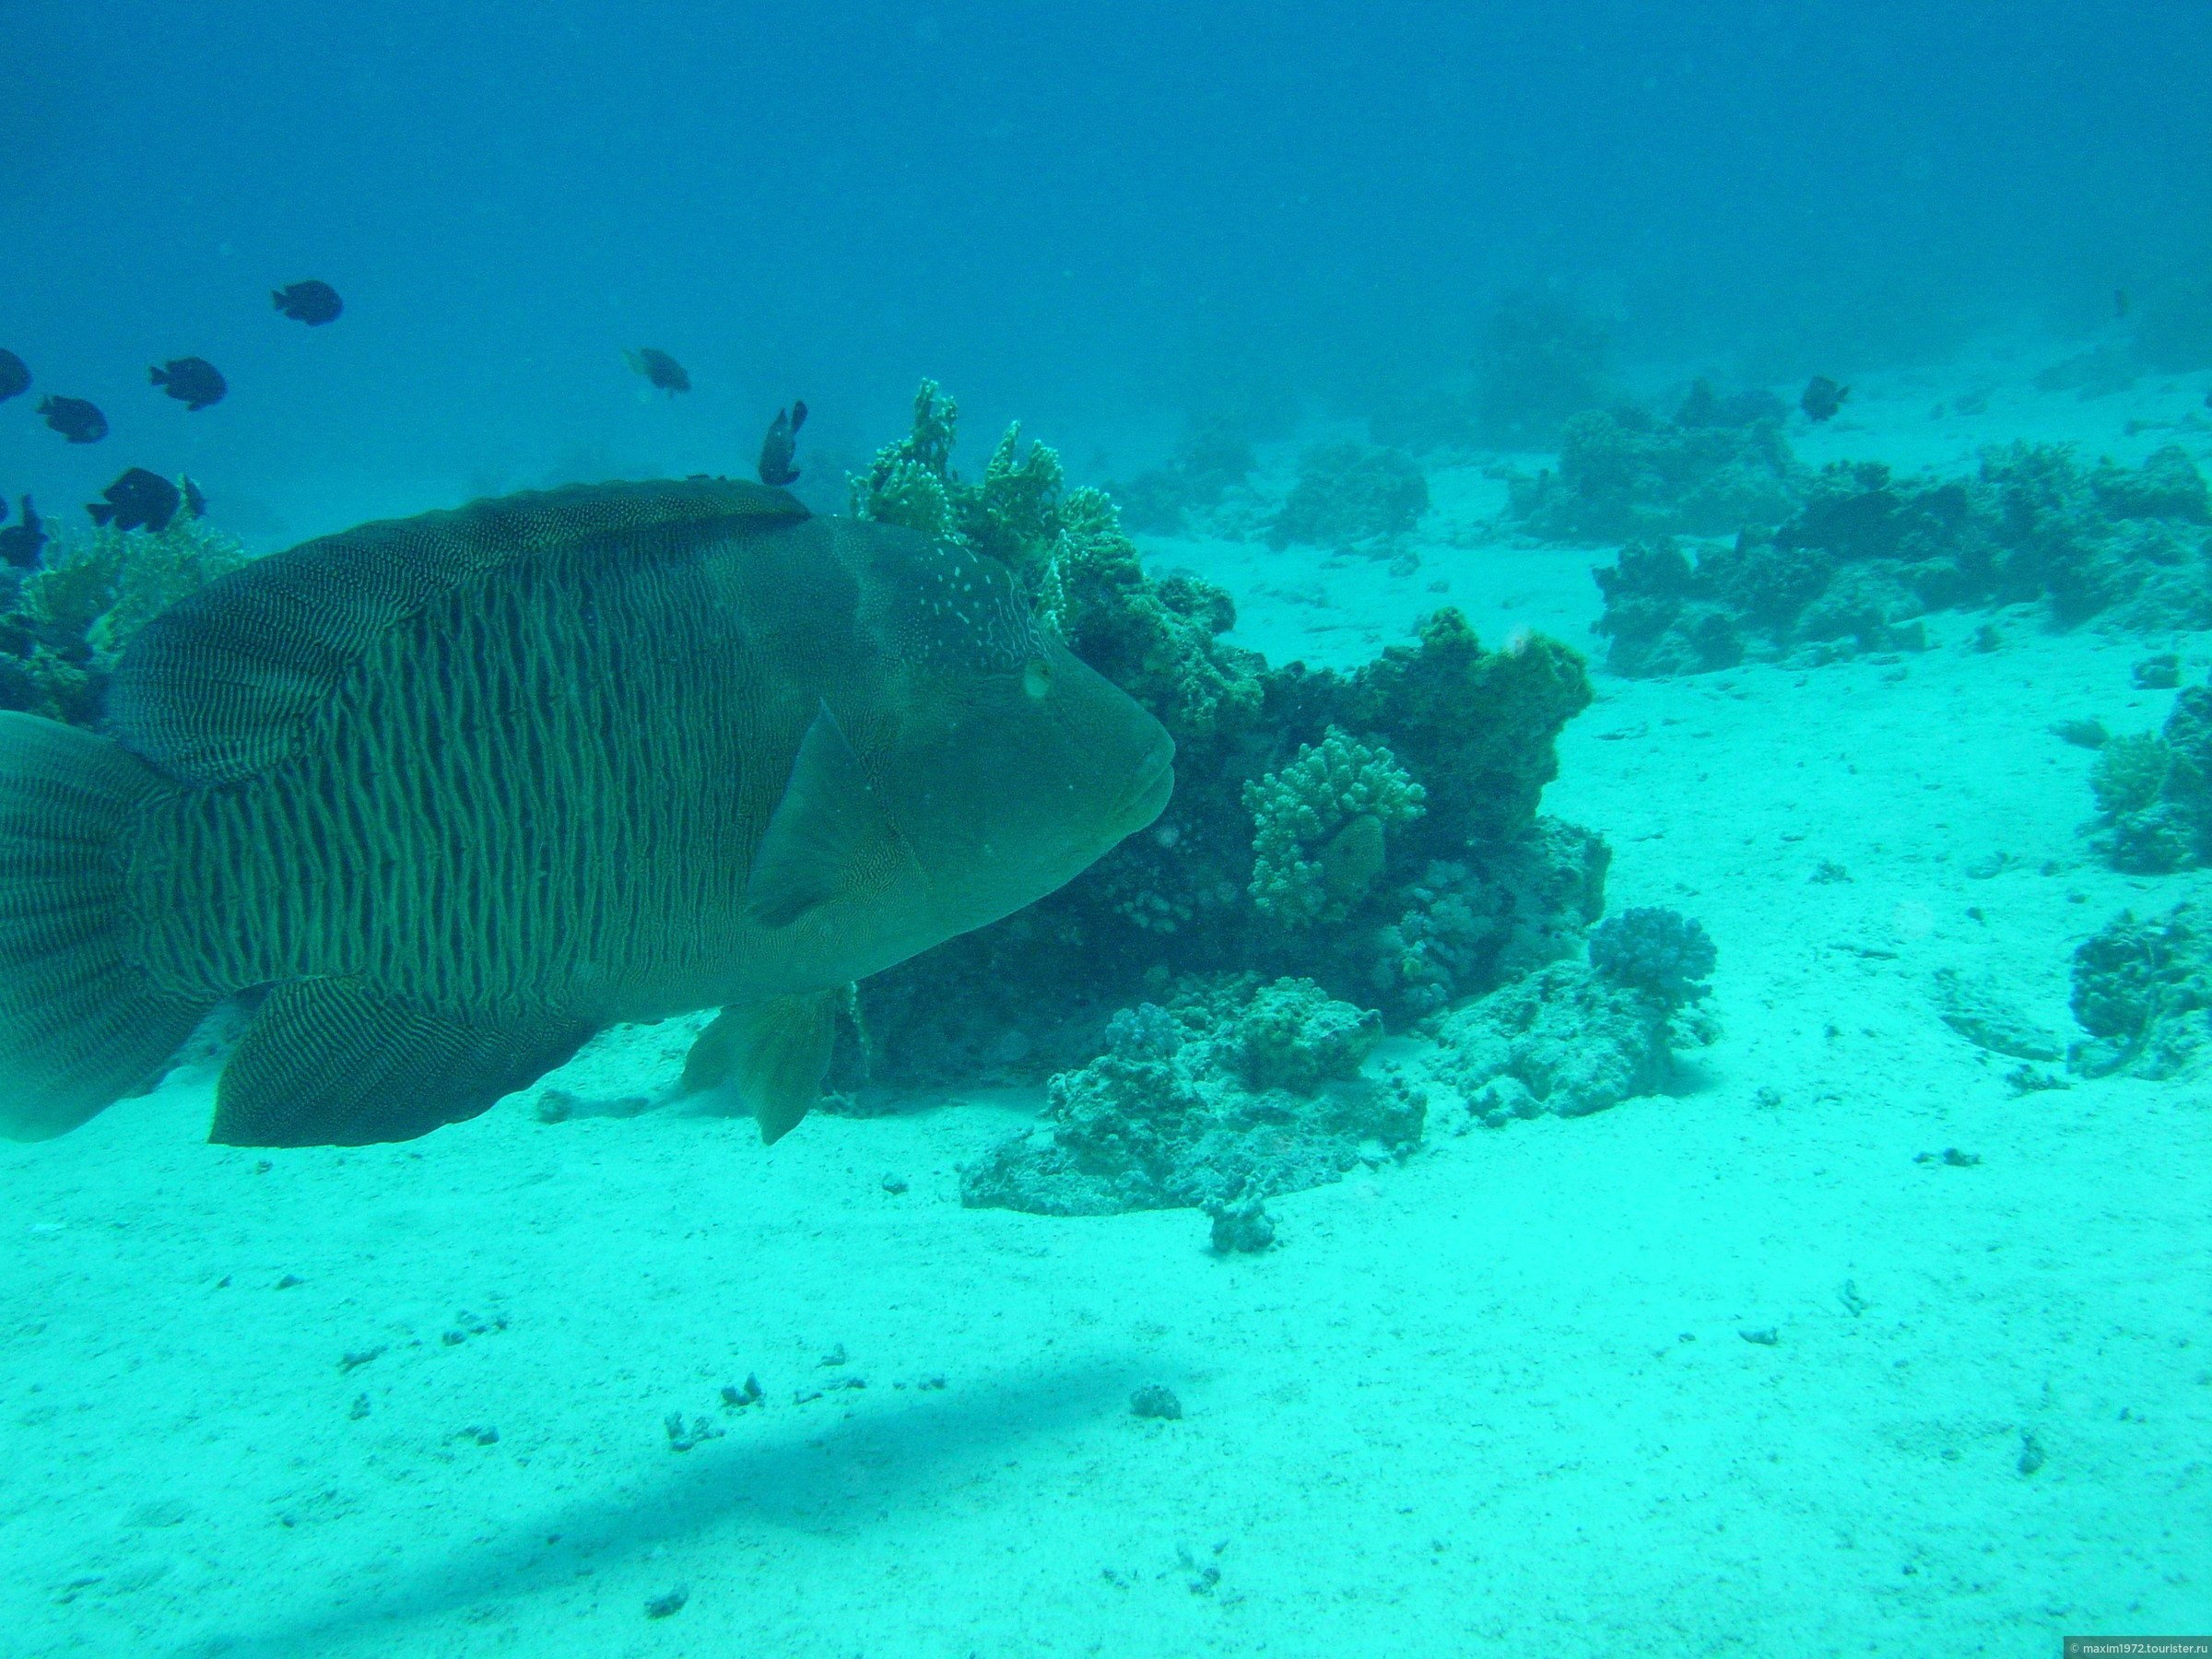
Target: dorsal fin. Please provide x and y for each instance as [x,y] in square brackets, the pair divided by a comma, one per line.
[218,686]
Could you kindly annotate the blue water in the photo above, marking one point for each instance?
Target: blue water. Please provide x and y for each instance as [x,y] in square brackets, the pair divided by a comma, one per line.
[1103,221]
[1090,216]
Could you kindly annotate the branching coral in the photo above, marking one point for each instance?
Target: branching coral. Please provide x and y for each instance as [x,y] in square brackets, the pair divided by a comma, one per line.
[73,618]
[1655,949]
[2154,793]
[1320,827]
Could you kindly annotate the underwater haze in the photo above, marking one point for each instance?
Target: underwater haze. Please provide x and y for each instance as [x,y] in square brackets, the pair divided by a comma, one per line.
[616,1037]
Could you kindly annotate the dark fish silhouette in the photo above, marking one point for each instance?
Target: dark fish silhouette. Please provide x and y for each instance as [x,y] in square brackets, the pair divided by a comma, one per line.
[15,375]
[193,381]
[313,303]
[781,445]
[659,367]
[137,500]
[74,419]
[20,544]
[1822,399]
[195,504]
[788,752]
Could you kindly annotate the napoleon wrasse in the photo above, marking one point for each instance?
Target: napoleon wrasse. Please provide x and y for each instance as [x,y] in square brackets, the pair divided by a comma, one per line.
[457,792]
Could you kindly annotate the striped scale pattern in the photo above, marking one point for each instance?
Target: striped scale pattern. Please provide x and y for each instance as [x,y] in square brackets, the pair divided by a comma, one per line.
[464,821]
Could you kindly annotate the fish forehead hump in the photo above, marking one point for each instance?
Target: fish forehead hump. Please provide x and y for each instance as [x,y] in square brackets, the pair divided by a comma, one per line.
[935,607]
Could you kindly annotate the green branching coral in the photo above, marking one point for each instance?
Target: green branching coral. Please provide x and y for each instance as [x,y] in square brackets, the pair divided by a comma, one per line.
[1479,725]
[1319,828]
[2154,793]
[910,482]
[2130,773]
[1015,514]
[1156,640]
[73,617]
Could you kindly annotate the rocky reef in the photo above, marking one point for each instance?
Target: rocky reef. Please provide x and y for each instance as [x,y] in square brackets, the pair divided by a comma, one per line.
[1626,472]
[2143,991]
[64,625]
[1574,1038]
[1182,497]
[1866,556]
[1375,832]
[1351,496]
[2154,793]
[1232,1093]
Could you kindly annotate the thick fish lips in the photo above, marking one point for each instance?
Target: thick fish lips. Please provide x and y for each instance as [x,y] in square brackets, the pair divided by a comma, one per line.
[1147,797]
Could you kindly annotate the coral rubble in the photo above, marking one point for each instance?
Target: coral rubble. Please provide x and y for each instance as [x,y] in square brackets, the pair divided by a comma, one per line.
[1574,1038]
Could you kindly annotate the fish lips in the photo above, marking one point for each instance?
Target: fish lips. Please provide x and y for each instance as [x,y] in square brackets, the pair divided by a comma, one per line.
[1147,797]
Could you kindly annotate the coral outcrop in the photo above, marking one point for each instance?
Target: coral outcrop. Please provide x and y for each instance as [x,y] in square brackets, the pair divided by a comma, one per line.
[69,622]
[1868,555]
[1374,831]
[1625,472]
[1231,1095]
[1574,1038]
[1214,458]
[1352,495]
[2142,991]
[2154,793]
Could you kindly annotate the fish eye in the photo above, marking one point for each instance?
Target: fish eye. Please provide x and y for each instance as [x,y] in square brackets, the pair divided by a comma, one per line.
[1037,676]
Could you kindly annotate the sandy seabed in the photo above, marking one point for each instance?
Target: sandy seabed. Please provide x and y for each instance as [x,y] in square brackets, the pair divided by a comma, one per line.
[416,1400]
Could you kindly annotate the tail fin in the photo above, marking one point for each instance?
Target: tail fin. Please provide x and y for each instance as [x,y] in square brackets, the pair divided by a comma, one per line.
[157,377]
[80,1023]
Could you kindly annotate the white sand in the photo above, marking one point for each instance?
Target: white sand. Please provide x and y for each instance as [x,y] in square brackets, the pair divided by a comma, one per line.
[1495,1396]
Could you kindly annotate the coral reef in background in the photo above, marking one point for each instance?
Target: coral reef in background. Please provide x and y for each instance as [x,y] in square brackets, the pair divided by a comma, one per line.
[2170,333]
[64,627]
[1404,912]
[1625,472]
[2142,991]
[1234,1093]
[2154,793]
[1213,459]
[1351,496]
[1542,360]
[1868,555]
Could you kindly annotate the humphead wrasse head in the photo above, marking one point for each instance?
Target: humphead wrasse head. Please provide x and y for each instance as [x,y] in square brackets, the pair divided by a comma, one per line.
[979,767]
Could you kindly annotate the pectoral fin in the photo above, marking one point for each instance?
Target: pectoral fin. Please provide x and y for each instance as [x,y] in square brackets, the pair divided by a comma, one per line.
[768,1058]
[828,837]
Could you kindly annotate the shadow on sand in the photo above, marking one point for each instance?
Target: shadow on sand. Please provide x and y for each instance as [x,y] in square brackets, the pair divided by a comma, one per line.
[846,1476]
